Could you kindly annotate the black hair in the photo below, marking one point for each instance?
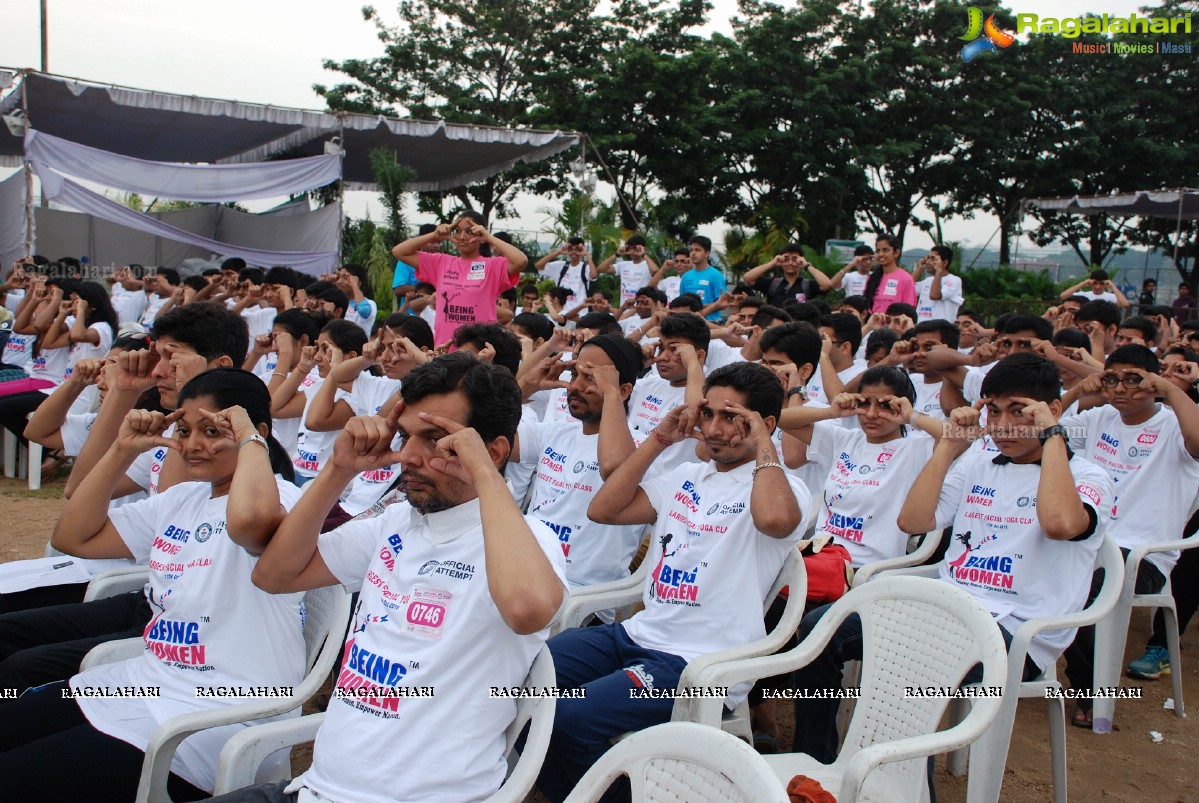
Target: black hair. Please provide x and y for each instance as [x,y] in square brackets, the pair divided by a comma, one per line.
[876,275]
[900,308]
[425,228]
[234,263]
[99,305]
[799,340]
[972,315]
[742,287]
[298,323]
[364,279]
[1018,322]
[491,392]
[767,314]
[559,294]
[506,344]
[1100,276]
[702,241]
[802,311]
[137,341]
[603,323]
[682,252]
[209,327]
[525,289]
[281,274]
[1104,313]
[328,291]
[170,274]
[881,339]
[949,333]
[1023,374]
[1072,338]
[574,241]
[857,302]
[537,325]
[345,335]
[1079,300]
[196,283]
[753,301]
[863,251]
[689,327]
[688,301]
[636,239]
[943,251]
[413,327]
[1140,356]
[846,327]
[509,295]
[471,214]
[894,378]
[1143,325]
[210,272]
[763,390]
[426,287]
[652,293]
[229,386]
[792,248]
[251,275]
[627,357]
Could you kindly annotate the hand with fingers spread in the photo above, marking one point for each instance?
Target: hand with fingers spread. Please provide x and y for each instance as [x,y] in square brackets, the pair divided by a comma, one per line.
[1038,411]
[1185,371]
[680,423]
[843,405]
[233,422]
[546,375]
[1151,384]
[749,426]
[366,442]
[142,431]
[461,453]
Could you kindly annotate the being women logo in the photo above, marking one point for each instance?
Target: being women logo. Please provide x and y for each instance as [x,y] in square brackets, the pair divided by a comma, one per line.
[982,37]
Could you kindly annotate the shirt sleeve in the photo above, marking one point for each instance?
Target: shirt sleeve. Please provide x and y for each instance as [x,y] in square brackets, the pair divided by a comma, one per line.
[74,432]
[825,439]
[907,292]
[951,493]
[404,274]
[529,433]
[137,522]
[955,290]
[348,549]
[658,489]
[428,267]
[1078,430]
[139,472]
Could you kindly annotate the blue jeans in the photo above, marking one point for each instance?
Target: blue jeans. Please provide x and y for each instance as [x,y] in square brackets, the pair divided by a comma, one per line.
[609,665]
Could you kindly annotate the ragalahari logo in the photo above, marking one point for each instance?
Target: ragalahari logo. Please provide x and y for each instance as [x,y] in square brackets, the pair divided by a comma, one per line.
[985,36]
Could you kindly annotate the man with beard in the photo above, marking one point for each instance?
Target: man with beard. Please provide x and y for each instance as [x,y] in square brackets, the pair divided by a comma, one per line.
[456,586]
[568,471]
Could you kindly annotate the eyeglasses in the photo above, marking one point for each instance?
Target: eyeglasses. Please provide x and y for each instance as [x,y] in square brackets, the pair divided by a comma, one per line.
[1128,380]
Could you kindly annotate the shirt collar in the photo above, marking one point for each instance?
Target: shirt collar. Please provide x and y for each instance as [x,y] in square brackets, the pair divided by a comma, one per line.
[740,473]
[446,525]
[1003,460]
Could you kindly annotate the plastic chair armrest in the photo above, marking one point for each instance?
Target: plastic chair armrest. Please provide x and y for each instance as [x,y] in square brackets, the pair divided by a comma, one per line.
[112,651]
[247,749]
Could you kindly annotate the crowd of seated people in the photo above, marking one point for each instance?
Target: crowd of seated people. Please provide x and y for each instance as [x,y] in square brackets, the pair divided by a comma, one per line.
[467,463]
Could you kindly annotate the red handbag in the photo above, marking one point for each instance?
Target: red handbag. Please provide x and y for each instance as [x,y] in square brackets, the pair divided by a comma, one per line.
[829,568]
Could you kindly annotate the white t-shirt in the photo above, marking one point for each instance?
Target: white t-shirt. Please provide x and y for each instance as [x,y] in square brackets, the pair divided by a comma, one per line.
[1000,555]
[367,395]
[211,626]
[12,300]
[633,276]
[146,469]
[259,320]
[972,385]
[86,351]
[425,618]
[1153,476]
[710,567]
[866,487]
[1104,296]
[670,286]
[129,305]
[366,323]
[287,430]
[266,366]
[945,309]
[574,279]
[313,448]
[154,303]
[652,399]
[719,355]
[928,397]
[519,475]
[18,351]
[631,324]
[854,283]
[566,478]
[815,386]
[50,365]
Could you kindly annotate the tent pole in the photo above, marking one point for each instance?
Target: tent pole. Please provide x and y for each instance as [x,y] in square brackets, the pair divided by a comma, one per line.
[28,174]
[341,188]
[1178,231]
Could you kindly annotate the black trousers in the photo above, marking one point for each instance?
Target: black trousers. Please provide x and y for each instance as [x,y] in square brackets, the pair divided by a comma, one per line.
[15,409]
[49,752]
[42,597]
[42,645]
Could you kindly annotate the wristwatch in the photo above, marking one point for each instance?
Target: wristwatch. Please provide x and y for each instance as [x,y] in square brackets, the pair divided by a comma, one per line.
[255,439]
[797,391]
[1049,432]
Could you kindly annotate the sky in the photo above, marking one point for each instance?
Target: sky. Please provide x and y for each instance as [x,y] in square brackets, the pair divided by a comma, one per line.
[271,53]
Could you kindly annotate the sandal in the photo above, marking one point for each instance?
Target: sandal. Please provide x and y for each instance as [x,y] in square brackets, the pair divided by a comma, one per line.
[1082,719]
[765,743]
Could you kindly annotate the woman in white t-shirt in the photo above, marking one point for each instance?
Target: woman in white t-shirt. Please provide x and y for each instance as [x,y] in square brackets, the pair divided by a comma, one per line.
[871,469]
[356,284]
[212,630]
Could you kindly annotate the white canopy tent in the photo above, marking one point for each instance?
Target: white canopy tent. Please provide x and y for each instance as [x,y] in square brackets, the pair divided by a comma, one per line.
[188,148]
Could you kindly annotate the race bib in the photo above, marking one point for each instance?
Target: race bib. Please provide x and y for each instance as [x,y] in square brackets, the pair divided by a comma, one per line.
[427,612]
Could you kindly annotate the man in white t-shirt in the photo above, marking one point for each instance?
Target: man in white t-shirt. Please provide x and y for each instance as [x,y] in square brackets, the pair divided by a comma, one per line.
[677,378]
[564,456]
[853,277]
[1150,451]
[841,337]
[939,296]
[928,336]
[1098,286]
[722,530]
[128,296]
[574,273]
[1027,524]
[457,590]
[636,269]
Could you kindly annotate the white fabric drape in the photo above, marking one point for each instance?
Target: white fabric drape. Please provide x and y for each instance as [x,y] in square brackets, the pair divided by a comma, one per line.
[70,194]
[180,181]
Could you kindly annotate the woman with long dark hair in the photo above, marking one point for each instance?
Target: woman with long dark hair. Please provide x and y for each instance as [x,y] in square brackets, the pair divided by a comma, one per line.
[889,283]
[211,628]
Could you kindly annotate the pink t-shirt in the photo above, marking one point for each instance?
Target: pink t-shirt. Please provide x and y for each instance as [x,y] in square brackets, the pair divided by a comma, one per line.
[466,289]
[896,287]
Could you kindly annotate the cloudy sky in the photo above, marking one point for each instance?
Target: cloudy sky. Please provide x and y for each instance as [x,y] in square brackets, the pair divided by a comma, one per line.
[261,52]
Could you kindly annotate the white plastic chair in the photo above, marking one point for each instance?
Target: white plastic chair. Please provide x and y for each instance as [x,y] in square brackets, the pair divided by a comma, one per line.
[925,550]
[23,462]
[988,756]
[116,581]
[1111,632]
[585,601]
[916,632]
[682,761]
[327,610]
[242,755]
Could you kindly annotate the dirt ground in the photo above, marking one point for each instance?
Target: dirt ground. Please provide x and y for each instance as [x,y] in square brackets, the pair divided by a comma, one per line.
[1126,765]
